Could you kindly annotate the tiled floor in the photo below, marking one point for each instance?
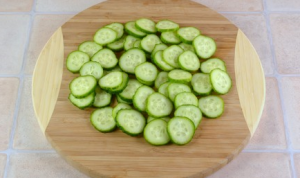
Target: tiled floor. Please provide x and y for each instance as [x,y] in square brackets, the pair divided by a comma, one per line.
[272,26]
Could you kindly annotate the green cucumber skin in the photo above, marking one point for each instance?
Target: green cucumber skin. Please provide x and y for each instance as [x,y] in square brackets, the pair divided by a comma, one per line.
[123,130]
[216,117]
[172,139]
[106,131]
[147,139]
[82,108]
[213,88]
[86,94]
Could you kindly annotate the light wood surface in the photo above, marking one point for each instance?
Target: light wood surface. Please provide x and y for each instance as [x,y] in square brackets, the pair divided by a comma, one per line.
[216,141]
[47,78]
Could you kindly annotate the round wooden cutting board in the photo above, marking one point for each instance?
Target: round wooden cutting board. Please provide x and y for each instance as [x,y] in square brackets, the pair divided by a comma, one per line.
[216,142]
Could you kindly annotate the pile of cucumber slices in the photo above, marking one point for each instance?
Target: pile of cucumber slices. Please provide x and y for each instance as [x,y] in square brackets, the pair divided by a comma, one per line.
[154,70]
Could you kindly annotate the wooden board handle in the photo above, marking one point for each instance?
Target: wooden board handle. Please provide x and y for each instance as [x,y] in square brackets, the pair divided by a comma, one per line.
[47,78]
[250,81]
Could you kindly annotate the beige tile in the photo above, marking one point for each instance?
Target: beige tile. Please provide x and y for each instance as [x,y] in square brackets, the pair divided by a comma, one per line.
[35,165]
[44,26]
[297,163]
[283,5]
[13,34]
[271,122]
[254,26]
[233,5]
[15,5]
[256,165]
[291,97]
[2,164]
[65,5]
[286,39]
[28,134]
[8,95]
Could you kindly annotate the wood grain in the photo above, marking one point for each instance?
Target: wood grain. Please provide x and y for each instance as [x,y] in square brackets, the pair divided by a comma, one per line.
[216,141]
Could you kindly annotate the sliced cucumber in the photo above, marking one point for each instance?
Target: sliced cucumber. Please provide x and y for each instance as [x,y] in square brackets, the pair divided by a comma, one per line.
[132,30]
[201,84]
[82,103]
[146,73]
[220,81]
[150,118]
[92,68]
[140,97]
[125,79]
[158,105]
[145,25]
[119,107]
[211,64]
[189,61]
[117,45]
[161,78]
[204,46]
[102,120]
[158,47]
[128,93]
[156,133]
[75,60]
[188,34]
[120,100]
[117,68]
[106,58]
[166,25]
[83,86]
[170,37]
[130,121]
[163,89]
[211,106]
[129,42]
[176,88]
[185,98]
[111,81]
[137,44]
[191,112]
[187,47]
[158,60]
[89,47]
[179,76]
[148,43]
[105,36]
[118,27]
[102,98]
[132,58]
[181,130]
[171,54]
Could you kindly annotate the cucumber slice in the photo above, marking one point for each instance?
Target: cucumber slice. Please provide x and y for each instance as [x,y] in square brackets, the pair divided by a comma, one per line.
[158,60]
[89,47]
[75,60]
[132,58]
[146,73]
[201,84]
[130,121]
[129,42]
[181,130]
[204,46]
[220,81]
[180,76]
[187,47]
[105,36]
[117,68]
[163,89]
[185,98]
[170,37]
[102,120]
[119,89]
[137,44]
[158,105]
[150,118]
[176,88]
[211,106]
[191,112]
[148,43]
[119,107]
[128,93]
[211,64]
[132,30]
[158,47]
[111,81]
[102,98]
[166,25]
[156,133]
[145,25]
[120,100]
[188,34]
[140,97]
[83,86]
[117,45]
[106,58]
[118,27]
[161,78]
[92,68]
[189,61]
[82,103]
[171,54]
